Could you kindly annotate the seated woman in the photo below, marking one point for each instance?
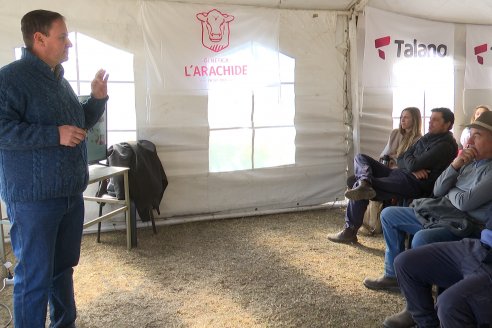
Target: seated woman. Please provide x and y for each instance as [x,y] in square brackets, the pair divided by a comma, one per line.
[406,135]
[400,139]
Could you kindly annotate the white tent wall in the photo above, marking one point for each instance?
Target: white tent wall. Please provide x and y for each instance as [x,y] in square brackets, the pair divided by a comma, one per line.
[318,42]
[452,11]
[377,105]
[112,22]
[322,100]
[179,127]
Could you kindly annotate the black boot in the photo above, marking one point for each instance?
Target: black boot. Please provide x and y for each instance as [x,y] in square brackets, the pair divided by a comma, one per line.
[346,236]
[362,191]
[382,283]
[402,319]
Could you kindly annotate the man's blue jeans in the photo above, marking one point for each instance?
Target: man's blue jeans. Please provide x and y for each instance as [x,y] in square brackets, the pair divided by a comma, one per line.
[45,237]
[397,222]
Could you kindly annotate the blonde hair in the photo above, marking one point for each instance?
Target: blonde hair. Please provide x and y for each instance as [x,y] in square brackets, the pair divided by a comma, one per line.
[409,137]
[487,109]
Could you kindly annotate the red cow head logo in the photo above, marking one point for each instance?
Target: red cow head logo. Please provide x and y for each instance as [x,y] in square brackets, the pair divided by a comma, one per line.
[382,42]
[215,29]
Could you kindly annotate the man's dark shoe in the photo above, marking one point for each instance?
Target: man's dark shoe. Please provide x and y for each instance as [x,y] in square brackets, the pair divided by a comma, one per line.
[362,191]
[402,319]
[382,283]
[346,236]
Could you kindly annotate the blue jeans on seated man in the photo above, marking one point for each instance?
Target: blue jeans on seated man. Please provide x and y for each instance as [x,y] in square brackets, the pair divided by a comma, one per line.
[397,223]
[45,237]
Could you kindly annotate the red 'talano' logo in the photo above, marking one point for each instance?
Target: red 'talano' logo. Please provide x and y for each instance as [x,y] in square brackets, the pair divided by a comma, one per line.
[382,42]
[215,29]
[478,50]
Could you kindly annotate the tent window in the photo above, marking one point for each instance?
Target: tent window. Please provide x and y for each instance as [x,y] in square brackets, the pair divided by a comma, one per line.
[253,128]
[424,83]
[86,57]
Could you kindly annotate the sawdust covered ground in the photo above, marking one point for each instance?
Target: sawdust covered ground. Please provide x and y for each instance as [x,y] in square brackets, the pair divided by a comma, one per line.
[270,271]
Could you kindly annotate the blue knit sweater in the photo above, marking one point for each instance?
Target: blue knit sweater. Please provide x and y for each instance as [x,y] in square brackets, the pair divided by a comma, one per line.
[34,101]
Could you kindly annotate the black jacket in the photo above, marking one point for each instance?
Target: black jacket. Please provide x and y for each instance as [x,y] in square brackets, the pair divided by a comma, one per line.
[147,179]
[433,152]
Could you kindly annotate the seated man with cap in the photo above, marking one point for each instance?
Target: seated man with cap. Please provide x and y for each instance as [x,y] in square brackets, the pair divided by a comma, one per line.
[459,210]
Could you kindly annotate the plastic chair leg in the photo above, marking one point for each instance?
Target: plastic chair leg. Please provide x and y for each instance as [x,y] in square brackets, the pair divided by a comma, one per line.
[99,223]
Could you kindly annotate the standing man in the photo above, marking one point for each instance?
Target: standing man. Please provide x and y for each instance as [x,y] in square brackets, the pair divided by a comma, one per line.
[43,169]
[418,169]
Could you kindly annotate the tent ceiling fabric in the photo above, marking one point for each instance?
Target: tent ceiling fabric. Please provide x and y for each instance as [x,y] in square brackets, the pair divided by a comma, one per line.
[287,4]
[455,11]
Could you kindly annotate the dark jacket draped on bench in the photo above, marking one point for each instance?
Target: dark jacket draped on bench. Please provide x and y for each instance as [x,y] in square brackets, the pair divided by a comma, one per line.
[147,179]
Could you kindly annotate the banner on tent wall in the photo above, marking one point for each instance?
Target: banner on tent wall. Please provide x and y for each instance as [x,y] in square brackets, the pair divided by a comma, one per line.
[393,39]
[478,70]
[198,47]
